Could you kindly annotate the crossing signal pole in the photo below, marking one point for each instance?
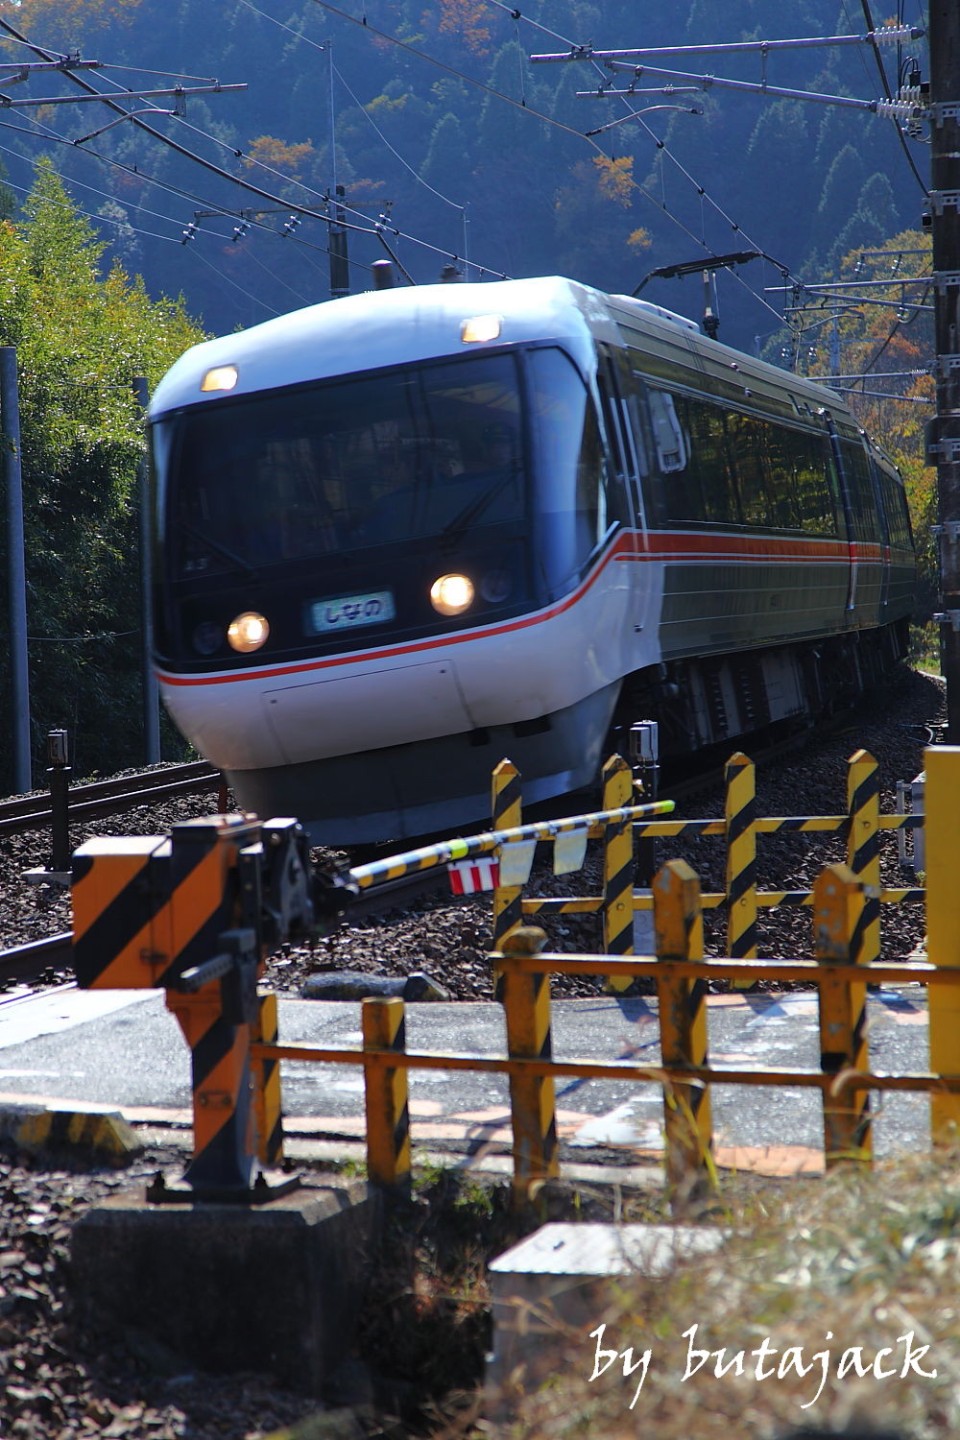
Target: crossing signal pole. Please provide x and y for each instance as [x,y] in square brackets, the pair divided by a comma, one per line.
[943,448]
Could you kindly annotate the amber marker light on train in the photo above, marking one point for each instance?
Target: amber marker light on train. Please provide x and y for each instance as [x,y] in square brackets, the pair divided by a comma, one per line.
[221,377]
[248,632]
[481,327]
[452,594]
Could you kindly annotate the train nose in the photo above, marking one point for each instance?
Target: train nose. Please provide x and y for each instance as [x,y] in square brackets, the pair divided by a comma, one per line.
[317,718]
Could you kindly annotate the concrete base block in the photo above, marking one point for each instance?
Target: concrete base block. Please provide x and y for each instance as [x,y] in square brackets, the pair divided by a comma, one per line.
[273,1288]
[556,1286]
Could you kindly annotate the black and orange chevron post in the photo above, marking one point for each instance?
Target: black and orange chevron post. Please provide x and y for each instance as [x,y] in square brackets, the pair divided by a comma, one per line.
[219,1034]
[194,914]
[146,908]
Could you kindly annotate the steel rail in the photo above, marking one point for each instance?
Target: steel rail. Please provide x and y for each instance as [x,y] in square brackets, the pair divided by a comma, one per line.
[104,797]
[28,962]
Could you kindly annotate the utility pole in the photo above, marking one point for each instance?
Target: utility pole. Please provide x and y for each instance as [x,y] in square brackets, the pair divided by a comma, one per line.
[943,447]
[16,566]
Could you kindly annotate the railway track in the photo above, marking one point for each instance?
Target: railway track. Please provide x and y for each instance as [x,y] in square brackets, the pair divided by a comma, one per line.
[107,797]
[452,940]
[29,963]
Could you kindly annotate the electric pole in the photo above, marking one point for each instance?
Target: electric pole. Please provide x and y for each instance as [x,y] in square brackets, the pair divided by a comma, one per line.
[943,447]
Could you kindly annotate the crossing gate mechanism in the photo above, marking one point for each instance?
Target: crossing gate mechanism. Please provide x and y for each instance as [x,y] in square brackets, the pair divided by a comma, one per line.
[196,913]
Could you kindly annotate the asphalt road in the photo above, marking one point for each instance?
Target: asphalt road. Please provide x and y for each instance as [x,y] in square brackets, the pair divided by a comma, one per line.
[124,1050]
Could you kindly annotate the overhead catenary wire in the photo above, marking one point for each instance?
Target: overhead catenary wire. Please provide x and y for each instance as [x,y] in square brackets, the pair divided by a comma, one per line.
[309,211]
[319,45]
[301,208]
[406,45]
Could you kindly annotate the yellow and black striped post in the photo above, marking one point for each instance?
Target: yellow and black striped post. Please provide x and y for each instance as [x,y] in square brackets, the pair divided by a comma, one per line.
[526,1006]
[863,849]
[839,903]
[507,815]
[385,1086]
[678,920]
[741,881]
[942,805]
[267,1100]
[618,868]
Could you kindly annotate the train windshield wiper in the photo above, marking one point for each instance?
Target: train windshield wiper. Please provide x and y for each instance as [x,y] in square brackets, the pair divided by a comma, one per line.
[475,507]
[232,558]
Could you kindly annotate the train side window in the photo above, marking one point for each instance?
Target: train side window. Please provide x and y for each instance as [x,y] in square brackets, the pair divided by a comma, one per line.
[760,504]
[860,492]
[895,505]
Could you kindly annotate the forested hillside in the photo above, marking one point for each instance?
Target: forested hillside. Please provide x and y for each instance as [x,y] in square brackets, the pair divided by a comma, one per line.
[452,146]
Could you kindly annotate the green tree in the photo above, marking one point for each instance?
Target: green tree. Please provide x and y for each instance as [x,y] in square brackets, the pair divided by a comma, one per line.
[81,338]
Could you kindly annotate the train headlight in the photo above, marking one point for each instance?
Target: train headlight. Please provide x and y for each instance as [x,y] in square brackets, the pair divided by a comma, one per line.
[248,632]
[451,594]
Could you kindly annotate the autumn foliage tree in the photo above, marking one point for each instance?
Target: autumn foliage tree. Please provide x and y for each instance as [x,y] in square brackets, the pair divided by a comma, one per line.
[892,337]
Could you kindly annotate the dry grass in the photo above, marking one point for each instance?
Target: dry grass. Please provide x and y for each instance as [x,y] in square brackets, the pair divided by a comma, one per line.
[822,1275]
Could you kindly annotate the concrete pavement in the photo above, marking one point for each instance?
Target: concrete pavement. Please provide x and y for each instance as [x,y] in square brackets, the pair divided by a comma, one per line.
[123,1050]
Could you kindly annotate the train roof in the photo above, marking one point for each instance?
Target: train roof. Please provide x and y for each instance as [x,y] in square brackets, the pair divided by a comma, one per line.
[380,328]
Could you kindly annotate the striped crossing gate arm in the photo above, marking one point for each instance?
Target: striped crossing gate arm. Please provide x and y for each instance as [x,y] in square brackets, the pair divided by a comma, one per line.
[942,796]
[741,882]
[688,1125]
[386,1090]
[839,904]
[618,869]
[526,1006]
[863,848]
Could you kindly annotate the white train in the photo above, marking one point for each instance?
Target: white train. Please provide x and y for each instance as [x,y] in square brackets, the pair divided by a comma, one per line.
[406,533]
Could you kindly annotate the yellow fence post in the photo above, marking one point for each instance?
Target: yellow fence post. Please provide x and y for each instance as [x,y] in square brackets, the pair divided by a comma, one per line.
[741,883]
[267,1100]
[839,906]
[678,921]
[618,868]
[526,1006]
[863,849]
[385,1087]
[942,805]
[507,815]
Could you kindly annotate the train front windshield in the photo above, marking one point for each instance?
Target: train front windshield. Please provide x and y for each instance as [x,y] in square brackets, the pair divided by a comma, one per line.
[489,465]
[301,474]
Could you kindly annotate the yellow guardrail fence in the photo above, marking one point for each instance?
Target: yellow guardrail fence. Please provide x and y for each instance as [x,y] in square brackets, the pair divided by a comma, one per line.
[196,913]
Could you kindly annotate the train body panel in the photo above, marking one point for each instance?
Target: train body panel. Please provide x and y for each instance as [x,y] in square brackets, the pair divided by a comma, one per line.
[403,534]
[446,685]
